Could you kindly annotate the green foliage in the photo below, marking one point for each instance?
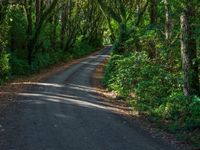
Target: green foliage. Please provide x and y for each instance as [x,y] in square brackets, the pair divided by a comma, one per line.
[121,70]
[4,66]
[4,56]
[45,59]
[21,35]
[81,48]
[147,72]
[19,66]
[193,121]
[145,67]
[18,25]
[41,61]
[154,89]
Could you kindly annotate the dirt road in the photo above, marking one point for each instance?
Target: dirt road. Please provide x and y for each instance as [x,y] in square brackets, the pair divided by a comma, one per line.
[64,112]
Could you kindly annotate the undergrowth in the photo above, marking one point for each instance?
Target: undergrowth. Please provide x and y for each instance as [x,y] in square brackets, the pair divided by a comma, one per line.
[155,90]
[12,65]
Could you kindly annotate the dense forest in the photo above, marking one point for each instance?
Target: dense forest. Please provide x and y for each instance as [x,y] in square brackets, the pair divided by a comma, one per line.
[154,64]
[39,33]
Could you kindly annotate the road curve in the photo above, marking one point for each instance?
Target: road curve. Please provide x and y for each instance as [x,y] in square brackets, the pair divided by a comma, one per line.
[64,112]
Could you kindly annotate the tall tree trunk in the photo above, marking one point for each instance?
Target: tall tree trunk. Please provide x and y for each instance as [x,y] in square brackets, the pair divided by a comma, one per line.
[38,11]
[122,37]
[153,22]
[32,37]
[12,40]
[63,26]
[153,11]
[189,51]
[168,23]
[140,13]
[29,31]
[53,36]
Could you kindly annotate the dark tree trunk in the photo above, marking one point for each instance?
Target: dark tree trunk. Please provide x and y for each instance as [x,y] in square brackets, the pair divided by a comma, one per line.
[153,22]
[29,32]
[168,23]
[189,51]
[38,10]
[33,37]
[140,13]
[123,36]
[53,21]
[12,40]
[153,11]
[63,26]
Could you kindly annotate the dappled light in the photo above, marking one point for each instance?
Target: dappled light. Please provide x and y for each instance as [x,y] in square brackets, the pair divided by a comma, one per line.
[39,83]
[42,98]
[89,74]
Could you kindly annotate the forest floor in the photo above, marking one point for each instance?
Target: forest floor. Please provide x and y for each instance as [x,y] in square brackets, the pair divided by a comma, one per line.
[67,108]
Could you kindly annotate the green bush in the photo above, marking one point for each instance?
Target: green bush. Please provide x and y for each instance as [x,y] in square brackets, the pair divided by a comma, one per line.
[43,60]
[153,88]
[81,48]
[18,66]
[136,73]
[4,66]
[18,29]
[4,56]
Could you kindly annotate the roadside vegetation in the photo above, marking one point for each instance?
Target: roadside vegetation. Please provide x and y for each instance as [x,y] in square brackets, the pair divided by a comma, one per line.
[35,34]
[154,64]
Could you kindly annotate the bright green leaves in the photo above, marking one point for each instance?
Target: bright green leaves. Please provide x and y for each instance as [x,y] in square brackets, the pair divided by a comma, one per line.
[4,66]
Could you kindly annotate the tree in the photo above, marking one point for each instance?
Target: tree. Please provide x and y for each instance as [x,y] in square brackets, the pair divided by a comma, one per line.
[118,11]
[33,35]
[153,22]
[189,49]
[168,23]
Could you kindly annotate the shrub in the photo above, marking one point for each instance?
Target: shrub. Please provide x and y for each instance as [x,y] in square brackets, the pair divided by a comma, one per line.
[18,66]
[4,56]
[153,88]
[136,73]
[81,48]
[4,66]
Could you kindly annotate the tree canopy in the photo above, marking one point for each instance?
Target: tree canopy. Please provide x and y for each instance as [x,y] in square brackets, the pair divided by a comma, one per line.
[155,48]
